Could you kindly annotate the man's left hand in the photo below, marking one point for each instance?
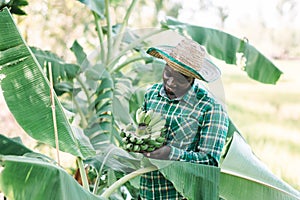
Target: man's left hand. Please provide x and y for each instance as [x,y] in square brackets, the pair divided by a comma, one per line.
[161,153]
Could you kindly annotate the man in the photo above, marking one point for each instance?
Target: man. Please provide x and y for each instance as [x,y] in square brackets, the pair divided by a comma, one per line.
[196,124]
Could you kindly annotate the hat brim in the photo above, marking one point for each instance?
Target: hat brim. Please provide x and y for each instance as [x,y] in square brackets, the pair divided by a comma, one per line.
[209,71]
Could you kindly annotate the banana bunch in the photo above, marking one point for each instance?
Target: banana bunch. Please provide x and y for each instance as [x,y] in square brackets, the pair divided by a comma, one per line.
[148,135]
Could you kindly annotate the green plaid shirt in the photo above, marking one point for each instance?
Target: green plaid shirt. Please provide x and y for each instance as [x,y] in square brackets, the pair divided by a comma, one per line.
[196,131]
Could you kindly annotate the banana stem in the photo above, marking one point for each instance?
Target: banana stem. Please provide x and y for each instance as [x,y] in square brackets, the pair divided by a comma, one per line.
[85,90]
[109,31]
[126,178]
[100,172]
[132,60]
[129,47]
[123,25]
[83,176]
[81,114]
[53,112]
[100,36]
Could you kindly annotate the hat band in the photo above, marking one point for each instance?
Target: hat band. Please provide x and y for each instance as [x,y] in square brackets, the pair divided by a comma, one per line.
[176,64]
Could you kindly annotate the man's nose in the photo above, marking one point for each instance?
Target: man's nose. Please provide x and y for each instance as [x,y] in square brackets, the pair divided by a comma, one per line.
[171,81]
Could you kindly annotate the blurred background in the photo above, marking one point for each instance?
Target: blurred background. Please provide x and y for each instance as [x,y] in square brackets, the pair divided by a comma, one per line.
[267,115]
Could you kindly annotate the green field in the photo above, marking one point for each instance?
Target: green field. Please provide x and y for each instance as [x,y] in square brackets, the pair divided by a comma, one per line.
[268,117]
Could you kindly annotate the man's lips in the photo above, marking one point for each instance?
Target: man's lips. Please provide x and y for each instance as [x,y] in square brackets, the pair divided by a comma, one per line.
[169,90]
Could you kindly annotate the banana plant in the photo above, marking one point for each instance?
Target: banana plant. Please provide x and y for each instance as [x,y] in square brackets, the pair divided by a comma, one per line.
[14,6]
[230,49]
[97,91]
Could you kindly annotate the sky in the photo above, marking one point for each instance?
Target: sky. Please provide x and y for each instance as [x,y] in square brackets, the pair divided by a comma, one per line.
[240,11]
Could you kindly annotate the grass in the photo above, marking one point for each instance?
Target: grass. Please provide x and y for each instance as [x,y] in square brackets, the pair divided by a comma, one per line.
[268,117]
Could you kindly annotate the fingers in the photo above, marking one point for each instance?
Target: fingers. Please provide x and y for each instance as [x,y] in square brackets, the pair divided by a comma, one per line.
[161,153]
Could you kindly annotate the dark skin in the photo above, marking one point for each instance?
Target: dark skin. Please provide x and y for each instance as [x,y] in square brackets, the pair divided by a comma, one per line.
[175,85]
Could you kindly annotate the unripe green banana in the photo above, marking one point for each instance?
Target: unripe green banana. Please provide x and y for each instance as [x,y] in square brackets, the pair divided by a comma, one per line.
[150,149]
[129,146]
[140,116]
[123,134]
[132,139]
[148,129]
[136,147]
[160,139]
[148,135]
[144,147]
[125,140]
[163,130]
[155,143]
[158,126]
[148,117]
[156,134]
[156,117]
[138,113]
[145,138]
[139,141]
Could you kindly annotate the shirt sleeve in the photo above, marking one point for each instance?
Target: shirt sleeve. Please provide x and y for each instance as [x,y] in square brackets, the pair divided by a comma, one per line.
[212,139]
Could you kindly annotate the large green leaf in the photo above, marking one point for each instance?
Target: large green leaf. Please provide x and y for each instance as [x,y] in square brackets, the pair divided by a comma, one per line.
[60,69]
[244,176]
[27,93]
[63,73]
[97,6]
[81,56]
[12,146]
[116,159]
[32,178]
[15,6]
[195,181]
[225,47]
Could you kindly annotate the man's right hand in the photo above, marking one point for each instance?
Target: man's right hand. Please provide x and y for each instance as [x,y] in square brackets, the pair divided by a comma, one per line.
[161,153]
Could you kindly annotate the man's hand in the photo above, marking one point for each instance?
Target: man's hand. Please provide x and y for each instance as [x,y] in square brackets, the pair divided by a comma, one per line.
[162,153]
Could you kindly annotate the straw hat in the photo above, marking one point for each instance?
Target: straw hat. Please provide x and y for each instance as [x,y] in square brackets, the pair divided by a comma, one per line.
[188,57]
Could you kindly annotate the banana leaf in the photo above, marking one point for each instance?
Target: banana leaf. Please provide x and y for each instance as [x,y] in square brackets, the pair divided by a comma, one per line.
[194,181]
[60,69]
[115,158]
[12,146]
[27,93]
[14,6]
[241,175]
[98,6]
[244,176]
[225,47]
[32,178]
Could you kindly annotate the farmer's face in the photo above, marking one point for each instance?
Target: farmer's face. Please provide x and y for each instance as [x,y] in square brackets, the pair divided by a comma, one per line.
[175,83]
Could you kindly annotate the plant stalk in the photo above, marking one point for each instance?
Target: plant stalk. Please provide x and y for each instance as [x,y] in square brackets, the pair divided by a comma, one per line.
[100,36]
[53,112]
[109,31]
[82,116]
[131,60]
[83,176]
[100,171]
[85,90]
[126,178]
[124,24]
[129,47]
